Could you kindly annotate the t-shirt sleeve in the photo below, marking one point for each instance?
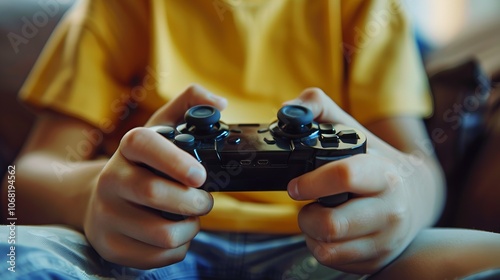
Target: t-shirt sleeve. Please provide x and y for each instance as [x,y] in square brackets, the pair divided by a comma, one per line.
[92,63]
[384,72]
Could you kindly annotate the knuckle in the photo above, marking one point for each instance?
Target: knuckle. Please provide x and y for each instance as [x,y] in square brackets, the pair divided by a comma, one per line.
[377,250]
[151,192]
[133,139]
[397,214]
[146,191]
[338,228]
[193,89]
[325,255]
[344,174]
[313,93]
[112,179]
[170,238]
[393,180]
[106,248]
[178,256]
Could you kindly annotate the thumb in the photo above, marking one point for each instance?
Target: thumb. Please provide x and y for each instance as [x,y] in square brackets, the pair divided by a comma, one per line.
[173,112]
[324,109]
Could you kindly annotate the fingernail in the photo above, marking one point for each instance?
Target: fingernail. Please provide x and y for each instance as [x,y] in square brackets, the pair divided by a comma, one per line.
[296,101]
[215,97]
[196,175]
[293,189]
[203,202]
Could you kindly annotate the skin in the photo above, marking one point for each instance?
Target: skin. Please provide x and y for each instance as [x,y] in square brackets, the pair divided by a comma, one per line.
[445,254]
[390,206]
[116,201]
[111,200]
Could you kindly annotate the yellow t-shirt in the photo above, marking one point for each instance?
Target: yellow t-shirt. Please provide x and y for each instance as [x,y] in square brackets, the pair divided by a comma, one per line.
[112,63]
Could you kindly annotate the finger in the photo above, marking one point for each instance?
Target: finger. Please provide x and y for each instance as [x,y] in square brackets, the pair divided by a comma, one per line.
[130,252]
[324,109]
[172,113]
[140,186]
[142,145]
[147,226]
[359,217]
[365,255]
[360,174]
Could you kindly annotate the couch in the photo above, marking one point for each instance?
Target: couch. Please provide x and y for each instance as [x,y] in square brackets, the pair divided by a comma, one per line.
[25,26]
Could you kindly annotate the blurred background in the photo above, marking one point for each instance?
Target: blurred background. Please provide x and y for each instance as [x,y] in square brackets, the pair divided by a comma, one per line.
[452,30]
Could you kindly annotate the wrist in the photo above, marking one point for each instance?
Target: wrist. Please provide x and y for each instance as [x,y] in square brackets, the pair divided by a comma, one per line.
[79,198]
[427,189]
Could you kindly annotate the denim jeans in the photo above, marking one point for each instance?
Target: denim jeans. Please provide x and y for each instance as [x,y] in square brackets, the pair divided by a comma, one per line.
[54,252]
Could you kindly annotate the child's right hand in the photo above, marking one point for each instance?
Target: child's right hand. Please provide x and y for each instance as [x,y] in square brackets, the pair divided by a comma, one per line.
[123,221]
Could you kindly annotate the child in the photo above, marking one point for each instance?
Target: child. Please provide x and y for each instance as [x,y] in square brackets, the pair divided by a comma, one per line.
[110,67]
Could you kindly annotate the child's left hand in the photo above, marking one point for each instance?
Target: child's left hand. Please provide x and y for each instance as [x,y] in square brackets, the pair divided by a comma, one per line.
[388,208]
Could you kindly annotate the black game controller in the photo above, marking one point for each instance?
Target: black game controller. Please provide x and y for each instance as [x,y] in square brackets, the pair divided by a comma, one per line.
[262,157]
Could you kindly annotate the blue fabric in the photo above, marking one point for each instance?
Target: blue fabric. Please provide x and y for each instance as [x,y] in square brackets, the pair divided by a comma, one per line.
[61,253]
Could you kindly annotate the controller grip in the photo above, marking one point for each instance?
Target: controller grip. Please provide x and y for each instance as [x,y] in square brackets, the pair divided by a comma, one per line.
[334,200]
[173,217]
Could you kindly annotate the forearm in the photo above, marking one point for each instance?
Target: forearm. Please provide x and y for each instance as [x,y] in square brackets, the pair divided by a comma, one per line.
[427,190]
[418,171]
[445,254]
[50,189]
[417,166]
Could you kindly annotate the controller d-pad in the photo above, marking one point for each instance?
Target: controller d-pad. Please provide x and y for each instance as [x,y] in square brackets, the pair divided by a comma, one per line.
[166,131]
[270,141]
[184,140]
[329,138]
[326,128]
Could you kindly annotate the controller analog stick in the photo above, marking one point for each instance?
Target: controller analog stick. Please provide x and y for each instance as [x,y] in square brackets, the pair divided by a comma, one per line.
[295,119]
[202,117]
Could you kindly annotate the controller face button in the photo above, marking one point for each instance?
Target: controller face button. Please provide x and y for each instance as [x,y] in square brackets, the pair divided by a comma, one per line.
[326,128]
[270,141]
[330,144]
[329,138]
[166,131]
[234,140]
[348,134]
[184,140]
